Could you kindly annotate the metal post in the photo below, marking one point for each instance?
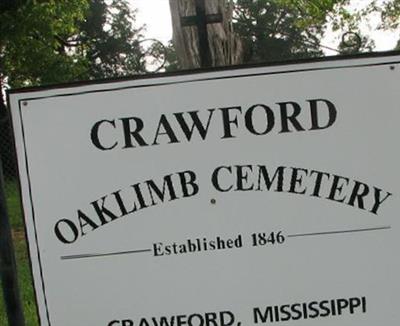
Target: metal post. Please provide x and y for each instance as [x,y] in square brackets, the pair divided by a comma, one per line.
[8,269]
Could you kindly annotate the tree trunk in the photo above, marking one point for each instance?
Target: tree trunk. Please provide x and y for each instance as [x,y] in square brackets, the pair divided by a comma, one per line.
[225,45]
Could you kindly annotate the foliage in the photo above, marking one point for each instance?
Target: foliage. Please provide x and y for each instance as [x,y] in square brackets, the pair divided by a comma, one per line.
[53,41]
[108,41]
[171,59]
[390,14]
[318,12]
[30,51]
[287,29]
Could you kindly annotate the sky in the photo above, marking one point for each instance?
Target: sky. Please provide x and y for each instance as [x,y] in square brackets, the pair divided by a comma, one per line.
[155,14]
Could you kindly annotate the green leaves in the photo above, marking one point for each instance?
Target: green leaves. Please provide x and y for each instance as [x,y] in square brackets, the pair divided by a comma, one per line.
[286,29]
[31,52]
[53,41]
[390,15]
[110,42]
[281,29]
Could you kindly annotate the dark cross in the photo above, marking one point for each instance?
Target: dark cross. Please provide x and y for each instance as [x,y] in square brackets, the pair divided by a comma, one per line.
[201,20]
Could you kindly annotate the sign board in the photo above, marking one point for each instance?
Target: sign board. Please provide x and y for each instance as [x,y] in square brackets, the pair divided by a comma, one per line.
[252,196]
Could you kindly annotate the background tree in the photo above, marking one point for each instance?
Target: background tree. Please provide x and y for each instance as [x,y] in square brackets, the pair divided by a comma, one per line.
[108,40]
[286,29]
[389,16]
[54,41]
[30,49]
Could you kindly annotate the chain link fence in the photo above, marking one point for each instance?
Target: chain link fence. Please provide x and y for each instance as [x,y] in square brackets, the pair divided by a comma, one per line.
[10,172]
[9,165]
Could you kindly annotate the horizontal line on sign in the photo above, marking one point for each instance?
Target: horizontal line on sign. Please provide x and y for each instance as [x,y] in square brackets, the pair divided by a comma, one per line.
[106,254]
[339,232]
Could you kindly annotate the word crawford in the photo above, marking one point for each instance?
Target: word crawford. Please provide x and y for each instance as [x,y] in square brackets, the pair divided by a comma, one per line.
[222,123]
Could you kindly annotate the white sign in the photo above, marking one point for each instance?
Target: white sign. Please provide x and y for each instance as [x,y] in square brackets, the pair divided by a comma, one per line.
[256,196]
